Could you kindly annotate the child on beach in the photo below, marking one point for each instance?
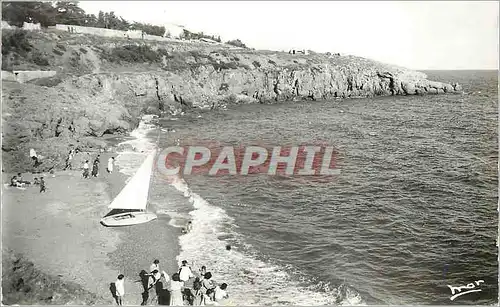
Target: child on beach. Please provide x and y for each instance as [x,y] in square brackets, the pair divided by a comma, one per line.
[86,169]
[220,292]
[120,289]
[42,185]
[13,181]
[209,298]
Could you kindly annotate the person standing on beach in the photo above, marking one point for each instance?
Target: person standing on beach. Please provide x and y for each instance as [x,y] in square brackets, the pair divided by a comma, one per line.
[185,272]
[120,289]
[152,295]
[207,282]
[197,293]
[154,266]
[69,160]
[203,270]
[95,167]
[176,286]
[86,169]
[42,185]
[110,164]
[34,157]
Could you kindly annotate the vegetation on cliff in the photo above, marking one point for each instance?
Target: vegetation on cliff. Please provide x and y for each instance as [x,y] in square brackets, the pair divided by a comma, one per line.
[23,284]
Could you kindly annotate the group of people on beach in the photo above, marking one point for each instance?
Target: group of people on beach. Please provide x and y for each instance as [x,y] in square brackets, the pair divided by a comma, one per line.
[185,287]
[18,182]
[87,172]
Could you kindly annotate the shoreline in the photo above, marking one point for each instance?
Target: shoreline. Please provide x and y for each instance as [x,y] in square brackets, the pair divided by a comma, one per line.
[59,232]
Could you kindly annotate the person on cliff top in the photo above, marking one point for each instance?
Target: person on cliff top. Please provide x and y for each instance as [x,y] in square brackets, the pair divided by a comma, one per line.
[86,169]
[120,289]
[42,185]
[110,164]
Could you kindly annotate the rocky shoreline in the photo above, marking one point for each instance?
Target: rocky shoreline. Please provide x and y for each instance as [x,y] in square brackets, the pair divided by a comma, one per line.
[102,88]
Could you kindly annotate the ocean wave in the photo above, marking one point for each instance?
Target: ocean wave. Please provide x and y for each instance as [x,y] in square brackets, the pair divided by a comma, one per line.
[129,161]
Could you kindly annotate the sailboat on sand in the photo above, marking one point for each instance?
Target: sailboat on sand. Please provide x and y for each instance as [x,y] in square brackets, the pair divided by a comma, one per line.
[129,206]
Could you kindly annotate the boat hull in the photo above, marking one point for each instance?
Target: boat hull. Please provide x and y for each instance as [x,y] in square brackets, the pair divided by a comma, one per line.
[127,219]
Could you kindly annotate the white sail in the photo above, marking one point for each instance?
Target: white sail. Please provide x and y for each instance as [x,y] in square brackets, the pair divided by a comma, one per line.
[135,194]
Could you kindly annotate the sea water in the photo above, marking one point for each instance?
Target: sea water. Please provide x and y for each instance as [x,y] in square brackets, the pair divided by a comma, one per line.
[413,210]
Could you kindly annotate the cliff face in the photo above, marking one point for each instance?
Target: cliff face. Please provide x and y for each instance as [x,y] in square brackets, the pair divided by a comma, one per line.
[94,95]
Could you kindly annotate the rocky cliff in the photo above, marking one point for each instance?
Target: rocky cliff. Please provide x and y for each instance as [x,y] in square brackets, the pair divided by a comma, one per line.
[103,85]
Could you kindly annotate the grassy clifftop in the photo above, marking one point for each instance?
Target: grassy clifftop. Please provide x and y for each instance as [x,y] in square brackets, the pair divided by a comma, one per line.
[103,85]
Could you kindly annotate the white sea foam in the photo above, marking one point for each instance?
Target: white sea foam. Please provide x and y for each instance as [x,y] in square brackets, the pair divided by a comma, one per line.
[129,161]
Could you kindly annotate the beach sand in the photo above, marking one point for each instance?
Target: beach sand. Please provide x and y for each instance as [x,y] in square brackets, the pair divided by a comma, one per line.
[59,231]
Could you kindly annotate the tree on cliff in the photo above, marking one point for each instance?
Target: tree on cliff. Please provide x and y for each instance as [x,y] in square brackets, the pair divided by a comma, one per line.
[148,28]
[236,43]
[16,13]
[70,13]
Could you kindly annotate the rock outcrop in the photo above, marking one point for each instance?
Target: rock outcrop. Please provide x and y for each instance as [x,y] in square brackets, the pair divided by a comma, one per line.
[85,106]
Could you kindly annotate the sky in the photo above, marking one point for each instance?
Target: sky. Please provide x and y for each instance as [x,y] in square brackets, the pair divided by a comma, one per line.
[422,35]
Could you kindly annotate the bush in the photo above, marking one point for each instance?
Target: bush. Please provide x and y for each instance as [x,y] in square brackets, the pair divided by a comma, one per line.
[134,54]
[57,52]
[39,59]
[236,43]
[222,66]
[15,41]
[48,82]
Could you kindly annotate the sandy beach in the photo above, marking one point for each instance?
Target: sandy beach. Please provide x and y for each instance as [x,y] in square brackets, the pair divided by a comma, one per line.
[59,231]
